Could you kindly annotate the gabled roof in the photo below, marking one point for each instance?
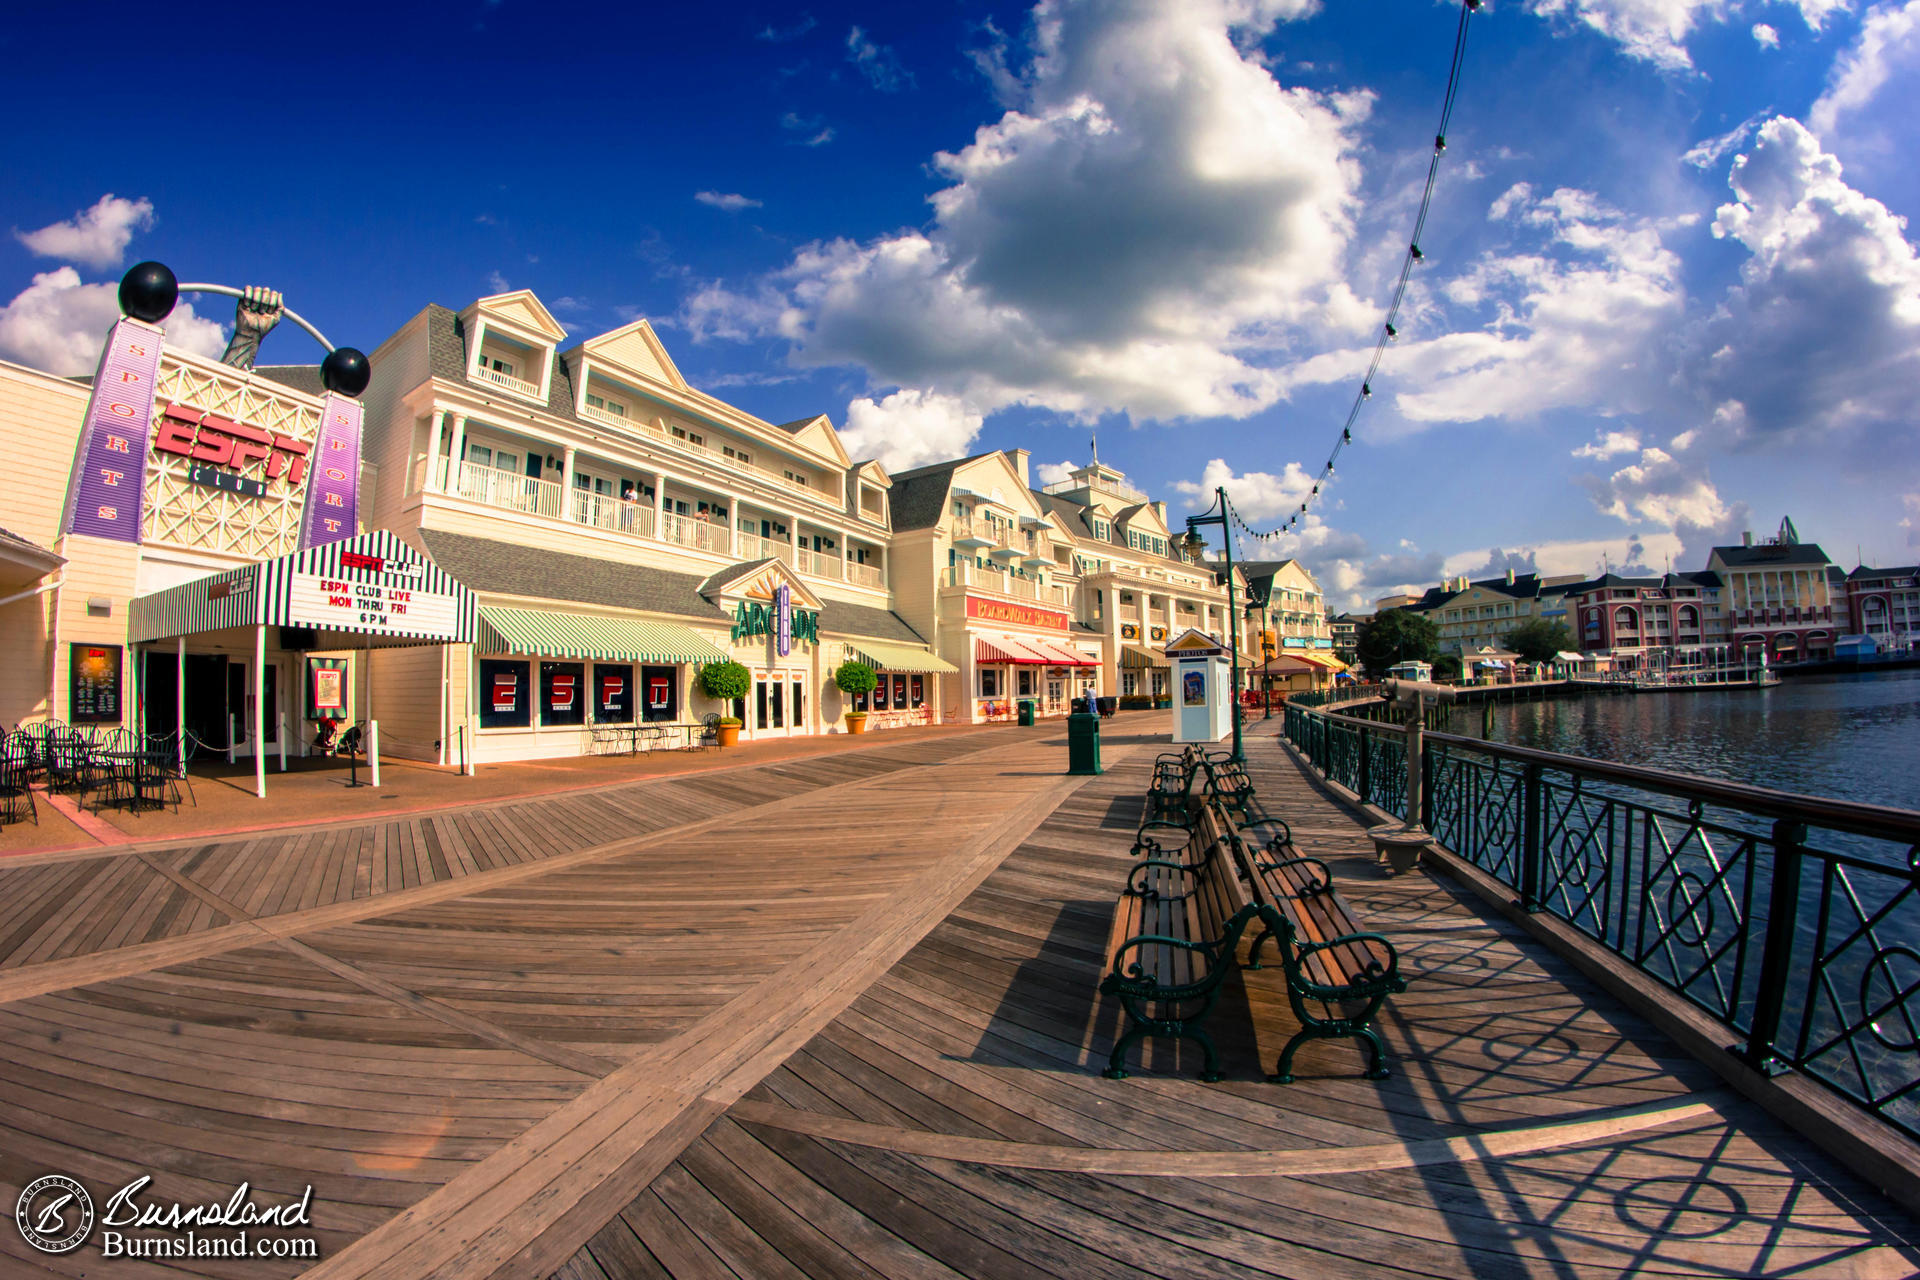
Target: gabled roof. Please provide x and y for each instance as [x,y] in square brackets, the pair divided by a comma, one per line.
[447,361]
[818,434]
[1908,571]
[521,308]
[744,577]
[634,347]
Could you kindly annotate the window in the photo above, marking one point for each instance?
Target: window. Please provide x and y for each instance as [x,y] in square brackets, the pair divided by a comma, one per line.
[1100,528]
[562,697]
[797,479]
[605,405]
[989,682]
[1023,683]
[612,693]
[742,456]
[505,702]
[693,438]
[659,687]
[498,366]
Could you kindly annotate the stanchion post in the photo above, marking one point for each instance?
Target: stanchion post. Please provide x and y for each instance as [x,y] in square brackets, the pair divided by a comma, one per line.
[281,718]
[373,750]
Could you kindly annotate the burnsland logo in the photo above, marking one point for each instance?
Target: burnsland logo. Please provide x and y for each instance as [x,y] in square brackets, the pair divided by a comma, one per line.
[55,1215]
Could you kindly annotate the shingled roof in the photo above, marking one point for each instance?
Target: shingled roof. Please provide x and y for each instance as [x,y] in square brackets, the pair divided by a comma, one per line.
[510,569]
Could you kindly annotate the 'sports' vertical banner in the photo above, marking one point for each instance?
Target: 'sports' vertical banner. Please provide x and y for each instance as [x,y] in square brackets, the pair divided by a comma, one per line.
[106,495]
[333,481]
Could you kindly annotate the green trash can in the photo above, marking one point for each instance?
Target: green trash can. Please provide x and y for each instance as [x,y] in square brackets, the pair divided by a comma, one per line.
[1083,743]
[1026,711]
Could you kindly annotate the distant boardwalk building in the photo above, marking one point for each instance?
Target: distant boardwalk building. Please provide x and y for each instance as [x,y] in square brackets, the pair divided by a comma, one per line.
[1781,596]
[1884,606]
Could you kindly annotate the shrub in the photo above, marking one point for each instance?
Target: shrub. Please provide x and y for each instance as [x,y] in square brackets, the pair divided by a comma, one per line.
[725,680]
[855,678]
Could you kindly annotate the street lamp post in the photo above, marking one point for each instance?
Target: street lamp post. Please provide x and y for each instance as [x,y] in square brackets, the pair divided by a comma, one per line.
[1196,547]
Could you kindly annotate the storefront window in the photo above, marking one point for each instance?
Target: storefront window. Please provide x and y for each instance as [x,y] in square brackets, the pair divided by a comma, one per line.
[989,682]
[900,691]
[562,699]
[505,702]
[612,694]
[880,694]
[1129,683]
[1023,683]
[919,690]
[660,687]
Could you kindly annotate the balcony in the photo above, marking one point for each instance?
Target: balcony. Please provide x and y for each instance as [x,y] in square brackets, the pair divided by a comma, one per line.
[968,536]
[592,414]
[820,564]
[507,489]
[604,511]
[865,575]
[690,531]
[519,386]
[1004,584]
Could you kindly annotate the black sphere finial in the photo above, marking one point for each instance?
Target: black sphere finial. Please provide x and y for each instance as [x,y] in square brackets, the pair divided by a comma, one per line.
[148,292]
[346,370]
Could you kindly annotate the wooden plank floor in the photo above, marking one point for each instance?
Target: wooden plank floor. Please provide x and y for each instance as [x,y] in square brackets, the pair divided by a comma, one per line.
[463,1027]
[953,1121]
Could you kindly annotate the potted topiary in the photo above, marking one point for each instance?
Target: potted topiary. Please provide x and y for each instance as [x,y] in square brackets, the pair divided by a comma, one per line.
[855,679]
[727,682]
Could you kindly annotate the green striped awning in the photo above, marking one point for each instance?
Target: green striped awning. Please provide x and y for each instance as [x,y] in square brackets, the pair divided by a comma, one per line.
[899,657]
[538,633]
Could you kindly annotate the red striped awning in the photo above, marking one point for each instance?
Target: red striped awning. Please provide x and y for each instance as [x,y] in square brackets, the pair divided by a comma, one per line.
[1063,655]
[1007,649]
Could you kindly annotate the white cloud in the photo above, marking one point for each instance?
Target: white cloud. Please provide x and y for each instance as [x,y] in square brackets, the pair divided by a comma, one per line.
[818,133]
[909,429]
[58,324]
[498,283]
[1259,496]
[1889,40]
[1911,521]
[1823,331]
[877,63]
[1765,36]
[1656,31]
[1577,324]
[1046,473]
[730,201]
[1133,235]
[96,237]
[1677,496]
[1609,444]
[1709,153]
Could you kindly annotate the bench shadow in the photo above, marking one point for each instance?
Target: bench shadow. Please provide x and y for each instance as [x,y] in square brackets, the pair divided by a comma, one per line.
[1051,1016]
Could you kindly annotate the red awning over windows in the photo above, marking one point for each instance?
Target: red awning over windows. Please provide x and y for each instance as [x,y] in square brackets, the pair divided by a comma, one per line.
[1007,649]
[1062,655]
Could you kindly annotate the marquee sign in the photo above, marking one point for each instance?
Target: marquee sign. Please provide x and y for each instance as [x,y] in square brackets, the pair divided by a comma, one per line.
[1024,615]
[754,618]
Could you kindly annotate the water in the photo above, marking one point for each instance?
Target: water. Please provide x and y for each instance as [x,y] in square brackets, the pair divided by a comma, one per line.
[1847,737]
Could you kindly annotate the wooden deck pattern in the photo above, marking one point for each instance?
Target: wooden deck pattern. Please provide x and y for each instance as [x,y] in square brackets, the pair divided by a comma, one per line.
[383,1011]
[837,1017]
[952,1121]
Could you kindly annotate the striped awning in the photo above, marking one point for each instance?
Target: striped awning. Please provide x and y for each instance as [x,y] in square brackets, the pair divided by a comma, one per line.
[1134,658]
[1007,649]
[540,633]
[374,586]
[899,657]
[1063,655]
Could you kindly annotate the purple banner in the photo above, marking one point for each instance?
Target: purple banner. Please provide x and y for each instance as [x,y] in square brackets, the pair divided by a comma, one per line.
[783,620]
[333,478]
[106,495]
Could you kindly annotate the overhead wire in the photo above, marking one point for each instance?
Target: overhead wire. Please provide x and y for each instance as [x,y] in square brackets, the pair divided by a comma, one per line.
[1389,329]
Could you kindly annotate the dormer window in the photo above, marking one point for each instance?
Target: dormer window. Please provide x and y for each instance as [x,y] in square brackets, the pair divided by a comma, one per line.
[612,408]
[693,438]
[741,456]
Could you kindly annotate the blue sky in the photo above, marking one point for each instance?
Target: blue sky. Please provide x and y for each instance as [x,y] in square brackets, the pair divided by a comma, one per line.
[1668,293]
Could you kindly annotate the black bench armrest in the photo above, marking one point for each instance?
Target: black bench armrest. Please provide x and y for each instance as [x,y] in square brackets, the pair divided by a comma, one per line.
[1158,835]
[1389,972]
[1326,872]
[1134,973]
[1137,877]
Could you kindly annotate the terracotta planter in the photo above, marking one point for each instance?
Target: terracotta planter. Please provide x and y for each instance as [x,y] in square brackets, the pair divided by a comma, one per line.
[856,724]
[729,734]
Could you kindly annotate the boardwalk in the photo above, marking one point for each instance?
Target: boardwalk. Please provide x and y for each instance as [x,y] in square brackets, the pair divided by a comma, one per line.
[836,1017]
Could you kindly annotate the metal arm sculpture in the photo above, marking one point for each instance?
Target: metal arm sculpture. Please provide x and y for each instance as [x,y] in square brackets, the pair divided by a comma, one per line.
[254,318]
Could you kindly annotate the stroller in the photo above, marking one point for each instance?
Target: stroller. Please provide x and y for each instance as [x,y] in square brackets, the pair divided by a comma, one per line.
[330,740]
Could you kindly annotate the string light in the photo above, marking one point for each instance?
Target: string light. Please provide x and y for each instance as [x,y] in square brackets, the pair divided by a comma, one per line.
[1389,331]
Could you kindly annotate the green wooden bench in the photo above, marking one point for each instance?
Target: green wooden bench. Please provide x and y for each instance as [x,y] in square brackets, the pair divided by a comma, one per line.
[1174,773]
[1337,974]
[1176,933]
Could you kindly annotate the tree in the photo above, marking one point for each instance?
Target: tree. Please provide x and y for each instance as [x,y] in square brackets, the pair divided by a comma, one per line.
[1539,639]
[1397,635]
[855,678]
[725,680]
[1448,667]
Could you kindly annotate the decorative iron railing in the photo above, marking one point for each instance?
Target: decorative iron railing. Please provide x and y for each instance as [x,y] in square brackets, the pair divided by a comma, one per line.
[1793,920]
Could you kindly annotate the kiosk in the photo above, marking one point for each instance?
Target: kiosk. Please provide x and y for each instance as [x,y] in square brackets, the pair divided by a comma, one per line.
[1202,688]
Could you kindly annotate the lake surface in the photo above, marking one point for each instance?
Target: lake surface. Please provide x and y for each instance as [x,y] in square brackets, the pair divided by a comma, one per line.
[1849,737]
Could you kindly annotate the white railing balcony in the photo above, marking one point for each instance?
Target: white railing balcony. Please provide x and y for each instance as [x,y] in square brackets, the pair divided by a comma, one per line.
[604,511]
[754,547]
[608,416]
[865,575]
[508,381]
[821,564]
[497,488]
[690,531]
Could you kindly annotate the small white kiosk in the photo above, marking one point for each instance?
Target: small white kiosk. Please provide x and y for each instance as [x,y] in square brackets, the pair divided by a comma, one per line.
[1202,688]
